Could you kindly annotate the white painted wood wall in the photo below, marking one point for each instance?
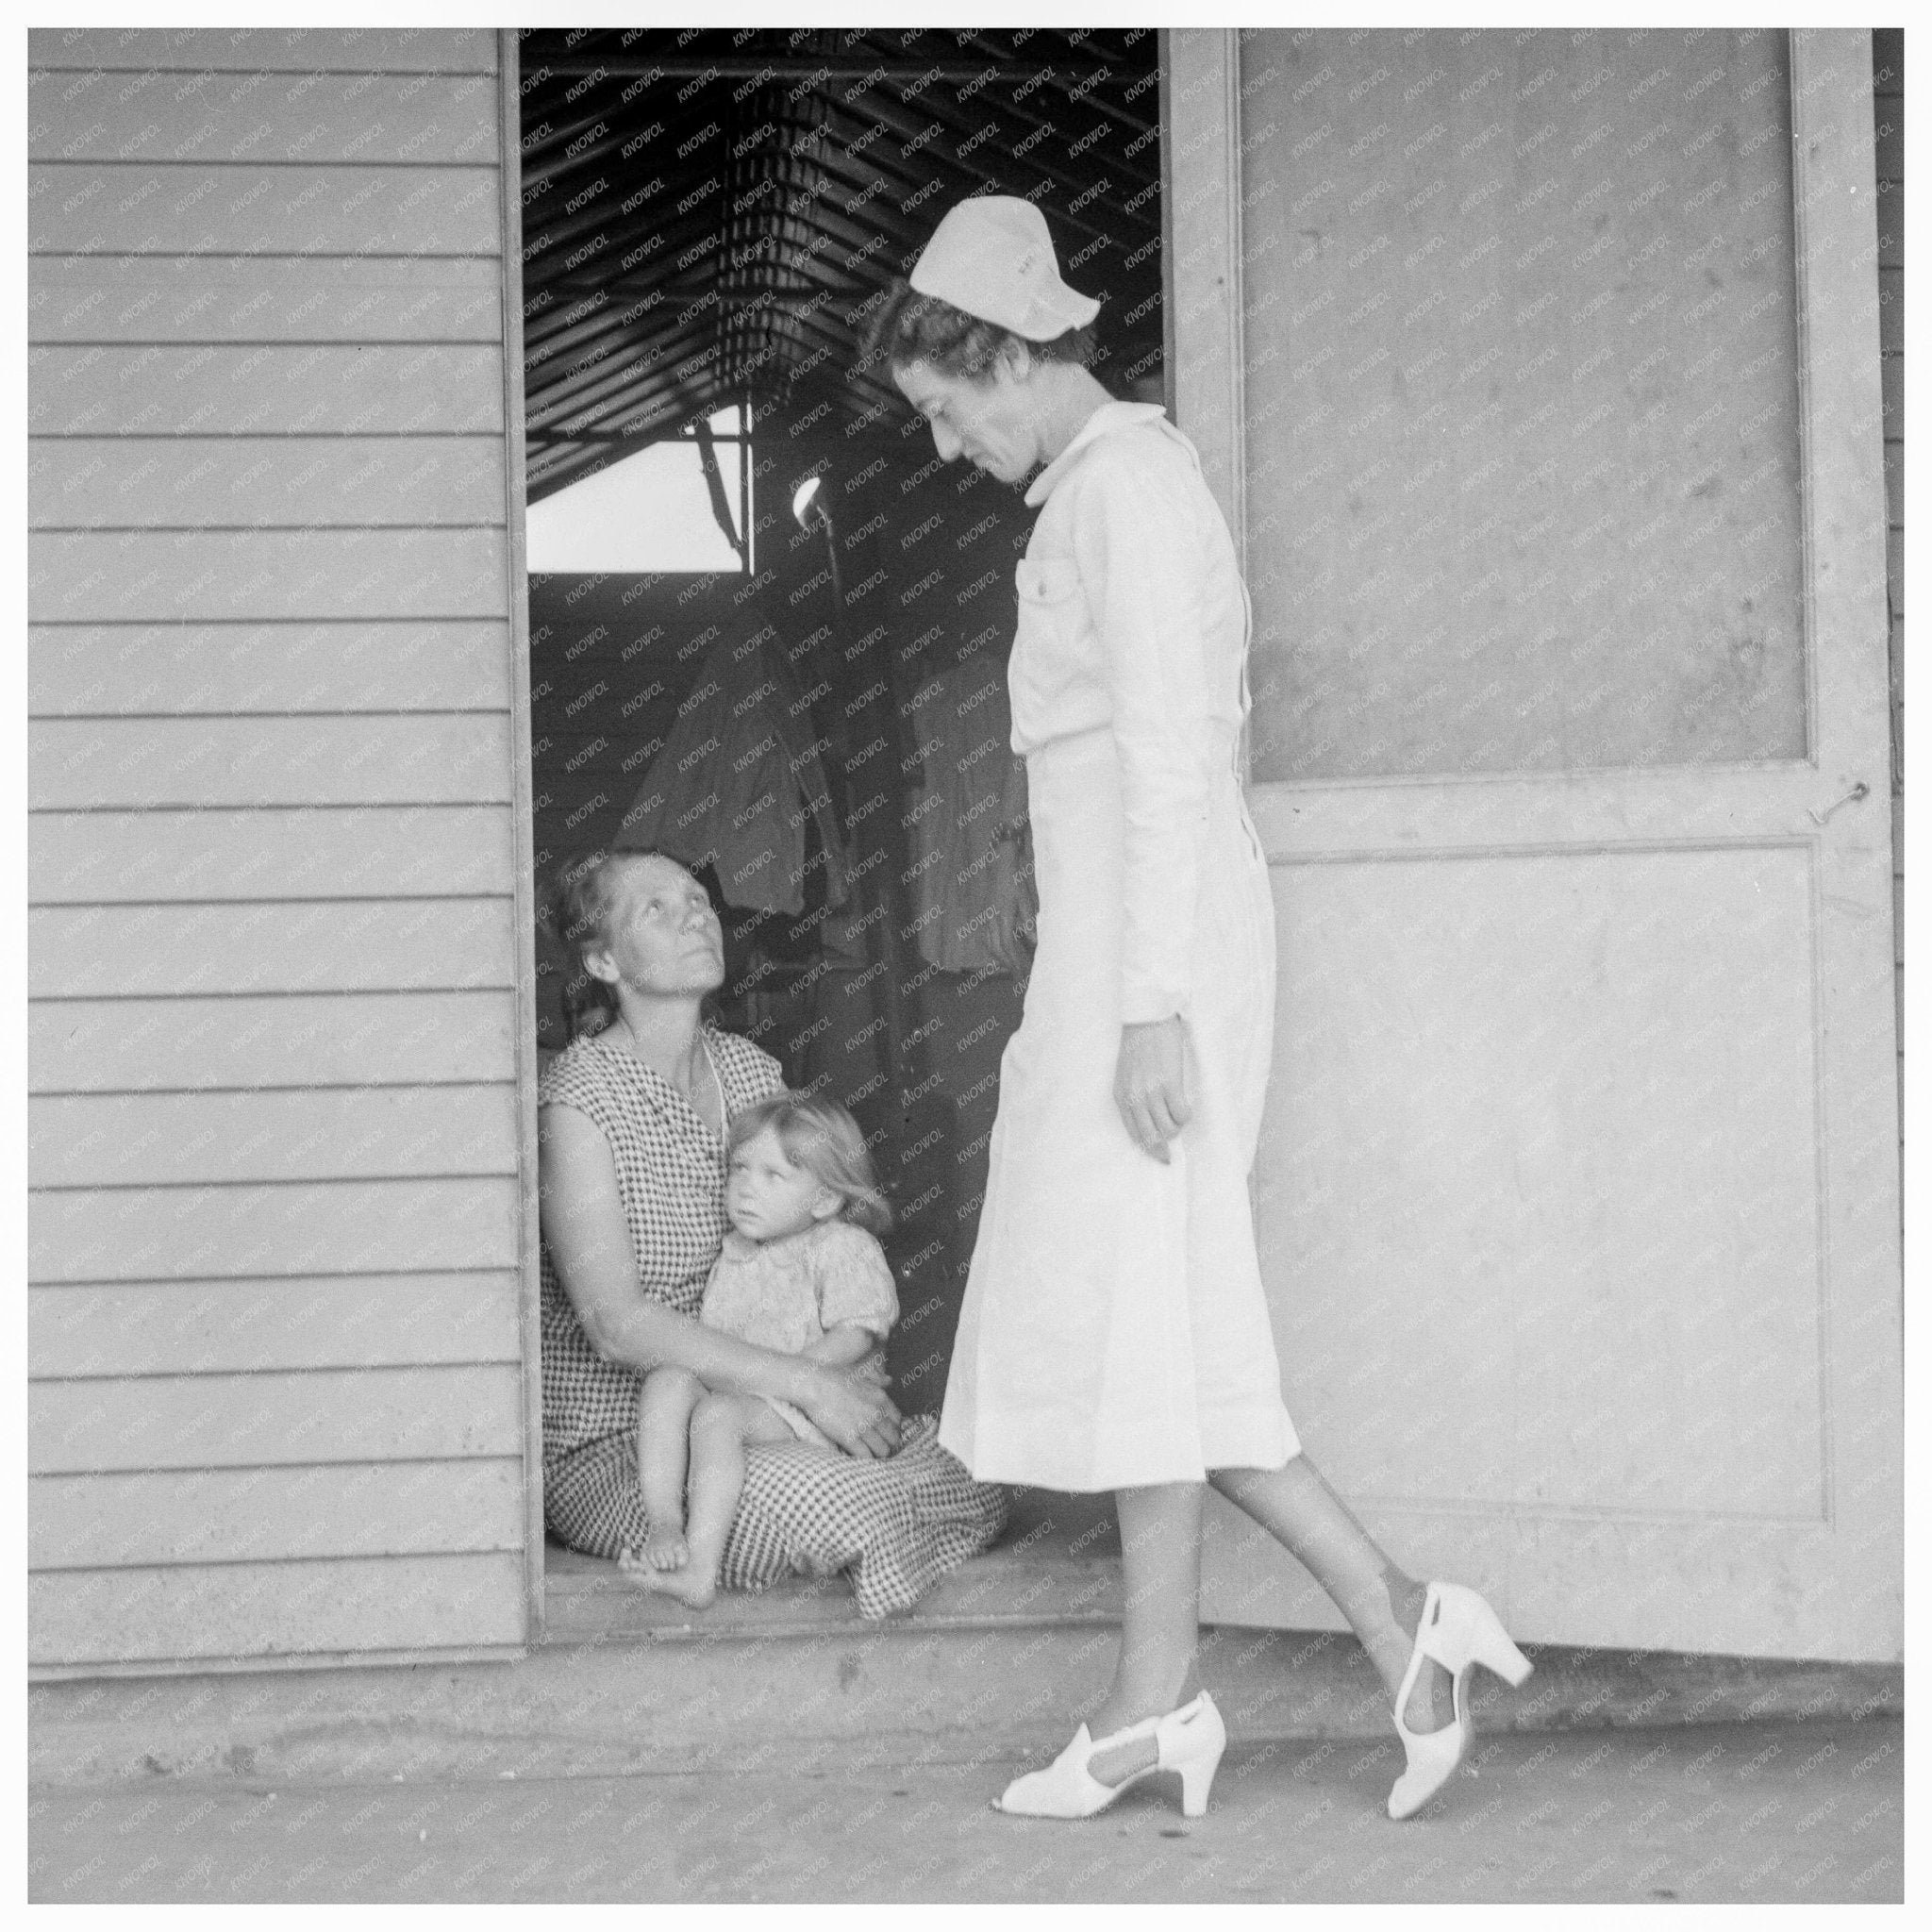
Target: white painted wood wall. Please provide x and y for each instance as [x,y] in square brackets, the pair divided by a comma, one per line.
[279,1332]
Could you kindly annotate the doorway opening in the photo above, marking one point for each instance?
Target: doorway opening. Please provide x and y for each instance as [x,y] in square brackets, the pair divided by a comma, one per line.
[808,705]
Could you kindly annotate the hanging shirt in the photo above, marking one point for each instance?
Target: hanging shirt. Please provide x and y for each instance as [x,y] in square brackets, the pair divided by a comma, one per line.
[971,861]
[736,783]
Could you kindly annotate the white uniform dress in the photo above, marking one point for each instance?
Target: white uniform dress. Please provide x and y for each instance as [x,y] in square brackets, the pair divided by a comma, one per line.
[1114,1330]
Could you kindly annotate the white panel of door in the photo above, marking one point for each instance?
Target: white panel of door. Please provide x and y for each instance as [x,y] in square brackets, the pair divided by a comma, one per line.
[1579,1190]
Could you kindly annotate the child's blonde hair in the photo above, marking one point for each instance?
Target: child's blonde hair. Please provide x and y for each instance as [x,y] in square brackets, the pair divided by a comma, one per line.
[820,1136]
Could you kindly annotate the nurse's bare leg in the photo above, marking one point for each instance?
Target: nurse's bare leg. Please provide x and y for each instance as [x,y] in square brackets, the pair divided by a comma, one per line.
[1383,1605]
[1160,1628]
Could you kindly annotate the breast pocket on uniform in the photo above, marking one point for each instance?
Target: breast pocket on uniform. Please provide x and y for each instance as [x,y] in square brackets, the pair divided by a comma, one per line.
[1051,647]
[1046,581]
[1053,613]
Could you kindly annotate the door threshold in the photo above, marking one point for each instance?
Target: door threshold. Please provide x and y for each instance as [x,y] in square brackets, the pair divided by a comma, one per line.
[1056,1562]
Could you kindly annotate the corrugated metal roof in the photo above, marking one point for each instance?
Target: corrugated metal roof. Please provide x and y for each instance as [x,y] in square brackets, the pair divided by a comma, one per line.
[705,210]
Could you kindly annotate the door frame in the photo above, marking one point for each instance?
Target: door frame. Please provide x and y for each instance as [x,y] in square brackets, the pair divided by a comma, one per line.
[523,842]
[1843,524]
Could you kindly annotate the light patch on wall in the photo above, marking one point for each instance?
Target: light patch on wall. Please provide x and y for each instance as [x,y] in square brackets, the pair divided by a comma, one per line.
[648,512]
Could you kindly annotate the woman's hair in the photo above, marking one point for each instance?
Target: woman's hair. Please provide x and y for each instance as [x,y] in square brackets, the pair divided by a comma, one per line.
[911,327]
[821,1137]
[576,914]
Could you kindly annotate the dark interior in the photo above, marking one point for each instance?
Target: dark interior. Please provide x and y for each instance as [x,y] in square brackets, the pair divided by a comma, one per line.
[709,219]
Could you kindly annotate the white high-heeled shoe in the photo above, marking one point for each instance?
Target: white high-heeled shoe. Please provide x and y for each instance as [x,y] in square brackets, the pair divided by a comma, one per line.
[1189,1741]
[1458,1630]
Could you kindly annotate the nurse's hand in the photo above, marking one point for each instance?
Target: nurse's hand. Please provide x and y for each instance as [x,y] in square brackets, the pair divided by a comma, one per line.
[1150,1083]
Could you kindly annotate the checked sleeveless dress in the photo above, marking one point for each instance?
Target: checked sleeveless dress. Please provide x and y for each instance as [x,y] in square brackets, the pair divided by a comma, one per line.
[896,1526]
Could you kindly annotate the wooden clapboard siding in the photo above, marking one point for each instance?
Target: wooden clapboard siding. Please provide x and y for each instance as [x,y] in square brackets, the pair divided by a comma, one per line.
[377,851]
[203,299]
[150,669]
[281,1134]
[102,952]
[277,1612]
[239,1516]
[183,1044]
[96,575]
[86,208]
[104,763]
[289,389]
[191,57]
[282,1222]
[377,118]
[309,483]
[356,1227]
[275,1419]
[285,1322]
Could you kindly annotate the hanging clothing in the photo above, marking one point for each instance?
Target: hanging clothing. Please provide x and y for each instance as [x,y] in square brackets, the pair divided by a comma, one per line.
[1114,1330]
[971,874]
[736,783]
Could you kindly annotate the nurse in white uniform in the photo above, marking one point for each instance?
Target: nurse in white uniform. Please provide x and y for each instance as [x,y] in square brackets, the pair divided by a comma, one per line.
[1115,1333]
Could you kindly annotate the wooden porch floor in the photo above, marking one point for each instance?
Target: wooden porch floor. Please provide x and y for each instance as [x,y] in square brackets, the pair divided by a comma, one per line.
[1057,1562]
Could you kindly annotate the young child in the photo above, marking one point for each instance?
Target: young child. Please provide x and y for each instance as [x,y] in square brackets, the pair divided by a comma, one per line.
[800,1272]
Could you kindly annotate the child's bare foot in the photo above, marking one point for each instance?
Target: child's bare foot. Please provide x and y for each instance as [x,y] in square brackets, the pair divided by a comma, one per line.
[688,1586]
[663,1549]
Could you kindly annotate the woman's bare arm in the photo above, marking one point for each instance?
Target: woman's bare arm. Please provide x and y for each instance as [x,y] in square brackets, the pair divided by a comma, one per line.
[582,1215]
[844,1345]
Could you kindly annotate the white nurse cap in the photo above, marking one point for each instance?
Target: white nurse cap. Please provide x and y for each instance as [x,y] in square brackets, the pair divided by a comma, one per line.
[993,258]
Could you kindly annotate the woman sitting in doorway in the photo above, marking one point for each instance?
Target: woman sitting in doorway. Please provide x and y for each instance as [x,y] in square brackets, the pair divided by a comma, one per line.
[632,1120]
